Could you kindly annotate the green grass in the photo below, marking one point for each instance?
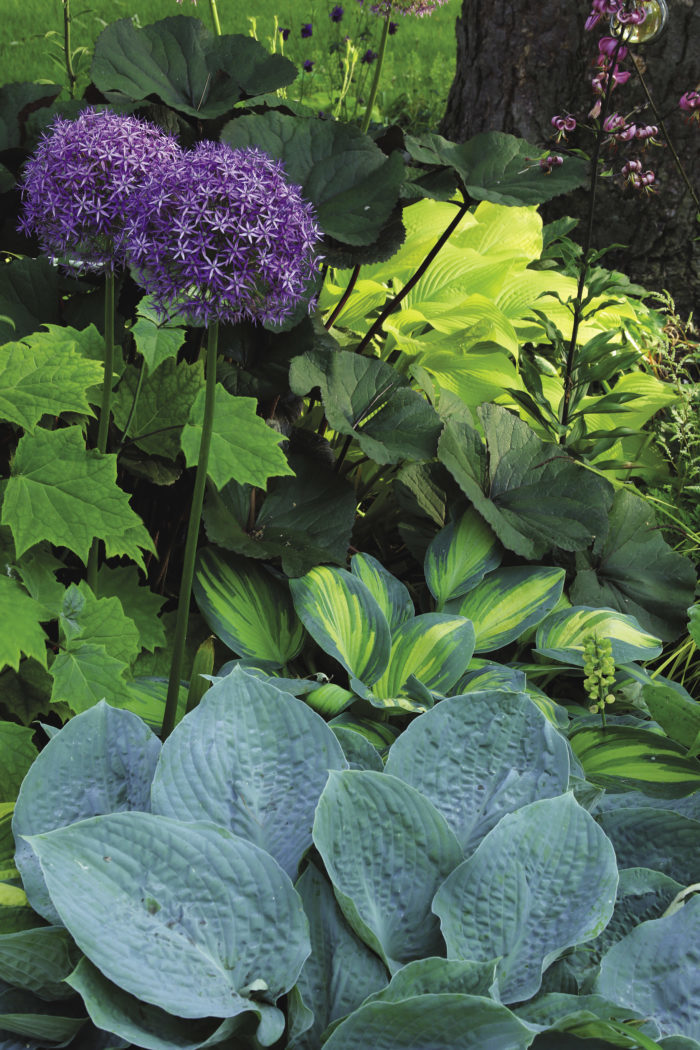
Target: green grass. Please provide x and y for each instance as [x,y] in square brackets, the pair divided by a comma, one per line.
[417,73]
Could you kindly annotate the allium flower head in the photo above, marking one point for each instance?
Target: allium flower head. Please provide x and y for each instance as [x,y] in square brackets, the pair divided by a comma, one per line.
[407,7]
[223,236]
[77,185]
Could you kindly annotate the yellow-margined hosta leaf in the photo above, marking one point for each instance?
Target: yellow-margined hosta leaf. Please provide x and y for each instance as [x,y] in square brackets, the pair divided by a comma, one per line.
[636,757]
[434,648]
[459,557]
[562,634]
[341,615]
[247,608]
[509,602]
[391,595]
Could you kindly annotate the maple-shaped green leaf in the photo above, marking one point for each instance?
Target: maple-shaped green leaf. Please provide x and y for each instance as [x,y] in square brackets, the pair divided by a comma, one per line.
[243,447]
[37,569]
[21,631]
[44,380]
[139,603]
[25,695]
[155,339]
[62,492]
[87,674]
[87,620]
[163,405]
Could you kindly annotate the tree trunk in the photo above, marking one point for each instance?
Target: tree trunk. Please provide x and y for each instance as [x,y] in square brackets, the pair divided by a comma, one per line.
[519,63]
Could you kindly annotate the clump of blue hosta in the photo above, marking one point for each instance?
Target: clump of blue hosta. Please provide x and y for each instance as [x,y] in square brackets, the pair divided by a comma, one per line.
[77,185]
[222,235]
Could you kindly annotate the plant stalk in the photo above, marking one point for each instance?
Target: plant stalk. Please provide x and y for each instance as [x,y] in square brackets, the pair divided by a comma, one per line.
[105,408]
[366,120]
[67,48]
[183,606]
[340,305]
[215,17]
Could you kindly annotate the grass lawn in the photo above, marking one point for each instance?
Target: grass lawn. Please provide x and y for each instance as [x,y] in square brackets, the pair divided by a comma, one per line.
[417,73]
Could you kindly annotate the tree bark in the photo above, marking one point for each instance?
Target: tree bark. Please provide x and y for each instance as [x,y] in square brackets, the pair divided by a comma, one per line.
[519,63]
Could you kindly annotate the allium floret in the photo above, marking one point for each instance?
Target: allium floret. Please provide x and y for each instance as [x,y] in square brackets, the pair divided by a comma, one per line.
[224,236]
[77,185]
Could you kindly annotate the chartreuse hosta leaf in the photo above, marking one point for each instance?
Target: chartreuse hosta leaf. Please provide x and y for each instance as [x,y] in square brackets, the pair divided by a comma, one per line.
[391,595]
[460,556]
[637,758]
[247,608]
[183,916]
[386,849]
[509,602]
[543,880]
[433,647]
[656,969]
[252,759]
[342,616]
[101,761]
[561,635]
[340,972]
[497,753]
[38,960]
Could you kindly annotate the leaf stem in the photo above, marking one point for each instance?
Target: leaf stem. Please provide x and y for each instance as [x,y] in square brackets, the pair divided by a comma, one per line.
[67,48]
[105,408]
[366,120]
[183,607]
[215,17]
[340,305]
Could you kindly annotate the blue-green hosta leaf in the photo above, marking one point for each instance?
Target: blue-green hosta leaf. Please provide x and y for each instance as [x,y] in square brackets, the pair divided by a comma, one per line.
[460,556]
[433,647]
[436,976]
[440,1022]
[561,635]
[101,761]
[592,1018]
[386,849]
[391,595]
[497,753]
[341,615]
[635,758]
[44,380]
[114,1010]
[17,752]
[247,607]
[484,674]
[509,602]
[358,751]
[22,633]
[380,735]
[39,961]
[655,838]
[252,759]
[544,879]
[656,969]
[184,916]
[341,971]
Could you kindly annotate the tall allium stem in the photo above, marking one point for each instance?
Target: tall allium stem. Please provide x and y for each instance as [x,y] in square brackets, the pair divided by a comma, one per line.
[377,72]
[105,408]
[67,49]
[215,17]
[183,606]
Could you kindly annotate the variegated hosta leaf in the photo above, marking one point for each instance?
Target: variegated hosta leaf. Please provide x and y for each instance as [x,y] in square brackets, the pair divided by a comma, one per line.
[509,602]
[379,734]
[561,635]
[342,616]
[247,608]
[391,595]
[330,699]
[460,556]
[627,756]
[434,648]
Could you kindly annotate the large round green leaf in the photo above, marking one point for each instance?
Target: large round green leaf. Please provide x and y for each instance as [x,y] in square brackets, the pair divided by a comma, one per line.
[252,759]
[101,761]
[183,916]
[480,756]
[656,969]
[543,880]
[386,850]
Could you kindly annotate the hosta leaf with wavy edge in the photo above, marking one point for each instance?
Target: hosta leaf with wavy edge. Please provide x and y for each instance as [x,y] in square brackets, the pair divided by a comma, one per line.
[358,751]
[391,595]
[101,761]
[561,635]
[252,759]
[497,753]
[435,976]
[342,616]
[656,969]
[460,556]
[386,849]
[440,1022]
[434,648]
[247,608]
[38,960]
[655,838]
[544,879]
[638,758]
[509,602]
[183,916]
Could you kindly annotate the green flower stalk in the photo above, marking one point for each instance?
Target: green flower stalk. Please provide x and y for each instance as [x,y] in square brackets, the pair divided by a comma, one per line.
[599,668]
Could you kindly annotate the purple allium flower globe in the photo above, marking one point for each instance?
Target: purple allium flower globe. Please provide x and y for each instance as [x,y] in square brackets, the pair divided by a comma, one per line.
[77,185]
[223,236]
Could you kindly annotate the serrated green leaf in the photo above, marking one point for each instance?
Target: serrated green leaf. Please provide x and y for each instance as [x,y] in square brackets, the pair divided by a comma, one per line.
[509,602]
[22,633]
[156,340]
[638,757]
[162,407]
[39,961]
[433,647]
[140,604]
[17,752]
[497,753]
[86,674]
[87,620]
[67,494]
[47,380]
[385,871]
[460,556]
[341,615]
[243,447]
[26,694]
[391,595]
[37,569]
[561,635]
[542,880]
[252,759]
[133,888]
